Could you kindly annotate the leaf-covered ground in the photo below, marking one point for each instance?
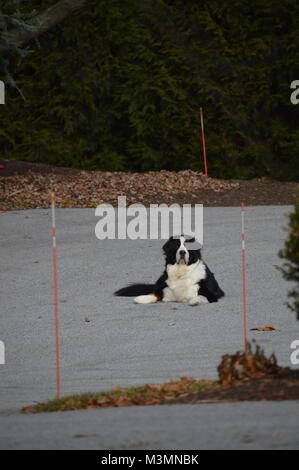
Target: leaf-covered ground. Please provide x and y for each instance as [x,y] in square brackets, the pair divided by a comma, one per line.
[25,185]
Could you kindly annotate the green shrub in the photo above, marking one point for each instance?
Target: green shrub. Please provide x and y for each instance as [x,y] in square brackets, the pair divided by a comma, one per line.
[290,252]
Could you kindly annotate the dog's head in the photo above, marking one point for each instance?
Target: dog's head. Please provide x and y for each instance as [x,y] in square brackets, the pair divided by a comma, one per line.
[182,250]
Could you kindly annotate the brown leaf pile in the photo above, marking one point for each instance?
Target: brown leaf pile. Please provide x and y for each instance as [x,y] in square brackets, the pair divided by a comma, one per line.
[91,188]
[240,367]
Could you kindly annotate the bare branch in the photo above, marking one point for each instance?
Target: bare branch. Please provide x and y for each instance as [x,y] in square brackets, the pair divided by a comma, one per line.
[43,22]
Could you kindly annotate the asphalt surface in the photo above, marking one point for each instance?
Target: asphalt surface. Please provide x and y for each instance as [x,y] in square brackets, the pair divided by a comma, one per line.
[129,344]
[257,425]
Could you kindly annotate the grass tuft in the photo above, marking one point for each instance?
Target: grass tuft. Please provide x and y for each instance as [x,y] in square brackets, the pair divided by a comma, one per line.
[119,396]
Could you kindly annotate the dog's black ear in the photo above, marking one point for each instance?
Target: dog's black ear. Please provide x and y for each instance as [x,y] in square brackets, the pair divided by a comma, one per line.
[167,244]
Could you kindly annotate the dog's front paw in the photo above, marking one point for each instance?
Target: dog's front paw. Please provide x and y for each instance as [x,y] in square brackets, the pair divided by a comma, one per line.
[146,299]
[198,300]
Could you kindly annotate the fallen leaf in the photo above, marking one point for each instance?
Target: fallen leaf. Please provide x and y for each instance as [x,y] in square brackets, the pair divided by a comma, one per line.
[264,328]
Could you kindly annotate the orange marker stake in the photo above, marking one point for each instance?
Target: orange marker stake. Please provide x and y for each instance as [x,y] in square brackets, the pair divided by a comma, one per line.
[55,285]
[244,280]
[203,142]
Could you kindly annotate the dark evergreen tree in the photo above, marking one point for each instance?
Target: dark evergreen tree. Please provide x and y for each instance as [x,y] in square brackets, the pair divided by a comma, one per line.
[290,252]
[118,86]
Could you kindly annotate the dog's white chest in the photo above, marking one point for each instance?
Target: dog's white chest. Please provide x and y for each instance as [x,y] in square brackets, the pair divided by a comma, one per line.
[183,281]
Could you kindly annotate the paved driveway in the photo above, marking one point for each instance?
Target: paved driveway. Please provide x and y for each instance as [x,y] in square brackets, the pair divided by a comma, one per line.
[124,343]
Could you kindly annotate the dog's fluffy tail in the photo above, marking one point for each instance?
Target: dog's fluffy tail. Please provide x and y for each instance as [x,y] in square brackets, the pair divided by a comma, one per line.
[135,290]
[219,293]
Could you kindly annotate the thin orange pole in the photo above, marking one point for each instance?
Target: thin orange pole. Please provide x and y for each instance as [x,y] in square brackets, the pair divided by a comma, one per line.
[244,280]
[203,142]
[55,285]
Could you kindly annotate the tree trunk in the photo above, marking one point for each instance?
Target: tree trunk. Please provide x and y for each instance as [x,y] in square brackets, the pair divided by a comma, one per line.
[44,21]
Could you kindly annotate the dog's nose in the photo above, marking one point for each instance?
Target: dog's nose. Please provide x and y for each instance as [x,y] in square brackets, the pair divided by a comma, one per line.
[182,253]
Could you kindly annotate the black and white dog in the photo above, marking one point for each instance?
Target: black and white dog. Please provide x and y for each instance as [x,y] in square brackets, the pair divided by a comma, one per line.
[186,277]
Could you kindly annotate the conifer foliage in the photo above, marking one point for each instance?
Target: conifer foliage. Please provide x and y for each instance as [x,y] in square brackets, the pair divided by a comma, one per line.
[290,253]
[118,86]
